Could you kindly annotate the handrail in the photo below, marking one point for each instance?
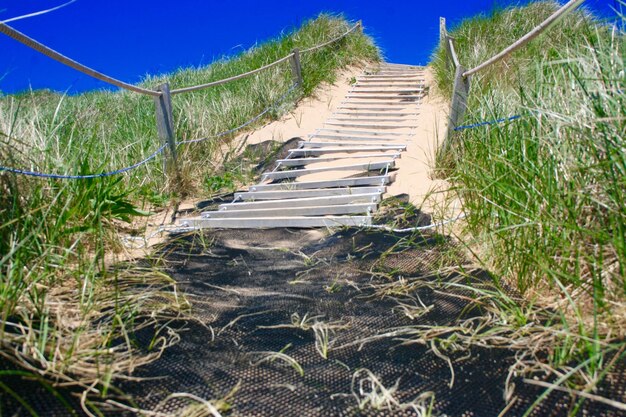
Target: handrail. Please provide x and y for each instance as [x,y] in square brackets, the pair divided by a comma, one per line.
[85,176]
[162,97]
[313,48]
[283,59]
[461,87]
[455,58]
[571,5]
[229,79]
[31,43]
[38,13]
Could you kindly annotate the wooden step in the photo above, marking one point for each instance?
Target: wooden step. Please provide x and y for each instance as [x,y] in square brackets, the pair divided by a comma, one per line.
[330,150]
[353,132]
[304,202]
[362,208]
[298,162]
[315,192]
[294,173]
[273,222]
[341,182]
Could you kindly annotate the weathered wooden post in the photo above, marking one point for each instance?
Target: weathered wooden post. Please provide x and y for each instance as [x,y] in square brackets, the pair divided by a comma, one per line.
[165,127]
[443,32]
[296,67]
[460,91]
[359,25]
[443,40]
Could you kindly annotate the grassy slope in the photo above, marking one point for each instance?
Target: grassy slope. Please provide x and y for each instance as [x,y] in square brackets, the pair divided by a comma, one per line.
[545,195]
[54,234]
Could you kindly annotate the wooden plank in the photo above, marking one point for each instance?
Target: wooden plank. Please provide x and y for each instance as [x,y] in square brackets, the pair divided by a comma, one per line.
[298,162]
[374,125]
[358,96]
[294,173]
[394,65]
[390,77]
[389,101]
[264,223]
[325,150]
[380,106]
[304,202]
[391,87]
[362,208]
[365,114]
[388,81]
[390,84]
[394,71]
[316,192]
[388,91]
[367,119]
[352,132]
[342,182]
[368,145]
[339,138]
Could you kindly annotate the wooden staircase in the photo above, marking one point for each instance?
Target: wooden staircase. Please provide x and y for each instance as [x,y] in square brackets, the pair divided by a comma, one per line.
[339,174]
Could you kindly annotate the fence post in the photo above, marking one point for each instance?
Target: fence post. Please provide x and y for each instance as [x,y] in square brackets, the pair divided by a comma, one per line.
[460,92]
[165,126]
[296,67]
[359,25]
[443,32]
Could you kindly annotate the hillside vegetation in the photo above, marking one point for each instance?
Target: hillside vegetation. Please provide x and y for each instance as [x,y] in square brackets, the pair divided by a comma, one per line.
[545,195]
[64,316]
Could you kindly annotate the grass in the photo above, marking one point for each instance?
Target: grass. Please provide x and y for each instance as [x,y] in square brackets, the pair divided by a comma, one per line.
[371,394]
[66,317]
[545,195]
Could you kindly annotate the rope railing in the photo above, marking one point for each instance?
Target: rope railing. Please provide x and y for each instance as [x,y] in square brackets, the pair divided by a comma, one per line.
[275,104]
[460,90]
[229,79]
[571,5]
[85,176]
[162,96]
[453,55]
[249,122]
[353,28]
[51,53]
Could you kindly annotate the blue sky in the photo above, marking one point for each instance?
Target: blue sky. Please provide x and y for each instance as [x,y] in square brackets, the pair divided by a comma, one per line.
[128,39]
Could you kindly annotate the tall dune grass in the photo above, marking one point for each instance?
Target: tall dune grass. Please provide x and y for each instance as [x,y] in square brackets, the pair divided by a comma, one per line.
[64,316]
[545,195]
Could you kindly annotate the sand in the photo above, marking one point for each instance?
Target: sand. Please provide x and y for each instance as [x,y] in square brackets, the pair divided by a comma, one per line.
[414,168]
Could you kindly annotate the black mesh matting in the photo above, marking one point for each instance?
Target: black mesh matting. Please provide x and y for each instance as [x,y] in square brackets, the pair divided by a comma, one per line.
[242,282]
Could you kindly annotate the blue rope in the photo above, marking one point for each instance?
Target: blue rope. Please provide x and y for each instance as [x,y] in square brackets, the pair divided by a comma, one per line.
[87,176]
[249,122]
[492,122]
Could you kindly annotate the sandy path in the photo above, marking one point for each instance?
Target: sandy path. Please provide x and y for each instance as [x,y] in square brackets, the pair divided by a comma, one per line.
[413,175]
[415,166]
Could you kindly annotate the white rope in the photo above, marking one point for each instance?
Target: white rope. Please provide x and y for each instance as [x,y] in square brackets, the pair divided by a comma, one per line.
[26,16]
[51,53]
[571,5]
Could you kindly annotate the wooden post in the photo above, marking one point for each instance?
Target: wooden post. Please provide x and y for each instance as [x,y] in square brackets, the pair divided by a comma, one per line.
[296,67]
[443,32]
[165,126]
[459,99]
[359,26]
